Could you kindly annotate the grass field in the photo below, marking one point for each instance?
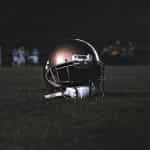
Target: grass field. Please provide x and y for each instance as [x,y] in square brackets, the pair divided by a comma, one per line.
[120,121]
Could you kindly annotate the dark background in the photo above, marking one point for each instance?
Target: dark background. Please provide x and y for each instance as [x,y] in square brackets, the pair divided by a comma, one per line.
[40,22]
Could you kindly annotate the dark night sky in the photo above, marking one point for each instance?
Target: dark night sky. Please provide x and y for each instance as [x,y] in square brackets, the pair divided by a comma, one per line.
[36,21]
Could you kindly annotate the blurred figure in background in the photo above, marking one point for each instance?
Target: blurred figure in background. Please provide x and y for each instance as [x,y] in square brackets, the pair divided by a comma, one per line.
[34,57]
[131,52]
[131,48]
[117,43]
[124,58]
[18,55]
[21,55]
[14,57]
[119,53]
[115,51]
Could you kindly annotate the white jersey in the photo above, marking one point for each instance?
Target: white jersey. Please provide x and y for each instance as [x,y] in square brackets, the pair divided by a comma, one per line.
[18,56]
[34,57]
[21,56]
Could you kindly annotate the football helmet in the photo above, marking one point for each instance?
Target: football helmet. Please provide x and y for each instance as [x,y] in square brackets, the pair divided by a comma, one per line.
[73,69]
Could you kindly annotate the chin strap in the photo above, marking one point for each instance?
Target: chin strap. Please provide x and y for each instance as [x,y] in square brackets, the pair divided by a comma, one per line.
[54,95]
[72,92]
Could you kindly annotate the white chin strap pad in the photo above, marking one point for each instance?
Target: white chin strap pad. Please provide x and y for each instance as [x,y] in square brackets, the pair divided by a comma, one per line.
[73,92]
[77,92]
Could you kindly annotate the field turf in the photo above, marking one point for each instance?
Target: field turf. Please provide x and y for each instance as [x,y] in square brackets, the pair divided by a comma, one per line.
[120,121]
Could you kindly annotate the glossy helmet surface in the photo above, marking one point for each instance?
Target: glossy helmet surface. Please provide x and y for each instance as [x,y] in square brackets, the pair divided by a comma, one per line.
[73,63]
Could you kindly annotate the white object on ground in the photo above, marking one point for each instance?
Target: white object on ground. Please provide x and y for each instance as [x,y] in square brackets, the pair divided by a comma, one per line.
[73,92]
[79,91]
